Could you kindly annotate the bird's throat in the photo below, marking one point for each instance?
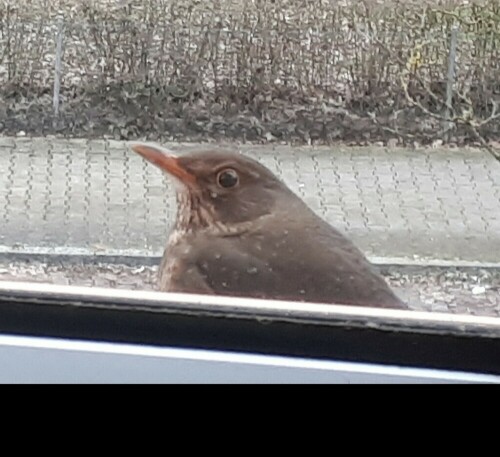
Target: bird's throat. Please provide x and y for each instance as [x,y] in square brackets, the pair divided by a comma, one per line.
[195,214]
[192,213]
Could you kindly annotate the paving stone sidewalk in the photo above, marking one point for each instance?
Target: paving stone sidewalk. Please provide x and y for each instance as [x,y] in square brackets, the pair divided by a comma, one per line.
[96,196]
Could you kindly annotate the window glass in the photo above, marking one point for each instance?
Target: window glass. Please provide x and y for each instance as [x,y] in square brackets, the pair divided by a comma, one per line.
[333,152]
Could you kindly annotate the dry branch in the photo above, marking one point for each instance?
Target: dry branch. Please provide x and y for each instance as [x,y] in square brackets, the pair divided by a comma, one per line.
[295,70]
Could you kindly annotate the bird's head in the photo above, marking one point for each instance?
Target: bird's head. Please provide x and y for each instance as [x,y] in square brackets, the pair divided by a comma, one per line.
[218,187]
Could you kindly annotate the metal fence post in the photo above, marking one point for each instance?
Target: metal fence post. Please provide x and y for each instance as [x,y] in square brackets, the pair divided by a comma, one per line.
[58,65]
[450,81]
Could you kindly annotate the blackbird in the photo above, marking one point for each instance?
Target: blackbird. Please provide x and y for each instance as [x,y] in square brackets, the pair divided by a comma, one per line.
[240,231]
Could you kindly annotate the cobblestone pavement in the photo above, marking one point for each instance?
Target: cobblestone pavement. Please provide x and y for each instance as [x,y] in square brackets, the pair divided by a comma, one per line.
[454,290]
[89,196]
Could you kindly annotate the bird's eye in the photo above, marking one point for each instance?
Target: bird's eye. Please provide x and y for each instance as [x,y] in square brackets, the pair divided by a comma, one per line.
[227,178]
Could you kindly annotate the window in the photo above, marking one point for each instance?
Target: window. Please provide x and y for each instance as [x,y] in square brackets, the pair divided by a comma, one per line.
[281,150]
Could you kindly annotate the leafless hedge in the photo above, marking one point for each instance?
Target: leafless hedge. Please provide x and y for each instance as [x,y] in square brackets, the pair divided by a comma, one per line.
[295,70]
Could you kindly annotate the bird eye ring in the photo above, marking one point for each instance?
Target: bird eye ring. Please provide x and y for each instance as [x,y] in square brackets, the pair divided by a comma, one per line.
[227,178]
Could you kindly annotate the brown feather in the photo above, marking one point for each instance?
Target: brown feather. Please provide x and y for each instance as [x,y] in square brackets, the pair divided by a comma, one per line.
[259,239]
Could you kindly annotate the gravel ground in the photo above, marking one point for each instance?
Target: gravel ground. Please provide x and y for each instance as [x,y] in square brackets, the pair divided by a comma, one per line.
[455,290]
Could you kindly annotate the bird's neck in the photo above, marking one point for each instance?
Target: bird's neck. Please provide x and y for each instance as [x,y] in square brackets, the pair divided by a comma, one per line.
[194,217]
[191,214]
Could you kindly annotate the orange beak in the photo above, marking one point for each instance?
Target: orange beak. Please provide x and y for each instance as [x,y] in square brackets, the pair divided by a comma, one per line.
[165,160]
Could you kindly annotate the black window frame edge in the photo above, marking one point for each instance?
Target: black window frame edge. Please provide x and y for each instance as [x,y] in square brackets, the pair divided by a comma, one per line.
[325,332]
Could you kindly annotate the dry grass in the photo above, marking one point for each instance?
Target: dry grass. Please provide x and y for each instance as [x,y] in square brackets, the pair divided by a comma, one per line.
[284,69]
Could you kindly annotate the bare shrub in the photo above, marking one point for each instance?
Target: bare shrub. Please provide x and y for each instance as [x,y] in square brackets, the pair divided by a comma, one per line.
[296,70]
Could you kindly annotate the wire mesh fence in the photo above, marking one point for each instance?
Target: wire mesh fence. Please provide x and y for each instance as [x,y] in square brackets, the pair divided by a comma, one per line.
[262,70]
